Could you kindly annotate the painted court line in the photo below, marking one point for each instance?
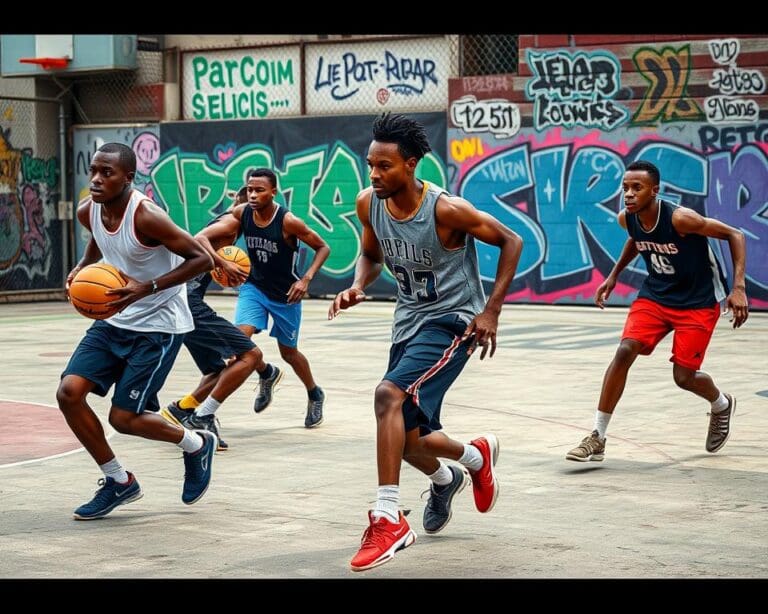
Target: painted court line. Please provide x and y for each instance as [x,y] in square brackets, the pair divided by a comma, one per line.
[108,429]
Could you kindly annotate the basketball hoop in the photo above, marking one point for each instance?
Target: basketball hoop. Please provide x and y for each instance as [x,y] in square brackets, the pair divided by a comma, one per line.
[47,63]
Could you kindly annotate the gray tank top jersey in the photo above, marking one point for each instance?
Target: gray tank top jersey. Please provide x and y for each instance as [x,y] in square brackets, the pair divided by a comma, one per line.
[432,281]
[166,311]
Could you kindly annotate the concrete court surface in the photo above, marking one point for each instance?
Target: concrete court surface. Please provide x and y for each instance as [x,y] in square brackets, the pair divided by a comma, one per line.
[287,502]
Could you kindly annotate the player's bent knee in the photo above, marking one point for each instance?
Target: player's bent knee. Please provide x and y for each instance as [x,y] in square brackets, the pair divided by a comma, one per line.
[683,377]
[121,421]
[387,398]
[68,396]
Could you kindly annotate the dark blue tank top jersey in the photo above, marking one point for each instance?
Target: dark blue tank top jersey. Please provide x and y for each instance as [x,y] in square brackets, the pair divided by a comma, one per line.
[198,285]
[273,260]
[683,272]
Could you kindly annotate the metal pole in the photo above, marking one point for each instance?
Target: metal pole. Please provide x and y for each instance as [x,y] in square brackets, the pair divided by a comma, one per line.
[65,219]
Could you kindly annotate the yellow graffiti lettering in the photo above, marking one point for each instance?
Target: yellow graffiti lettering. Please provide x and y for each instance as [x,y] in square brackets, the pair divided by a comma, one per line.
[466,148]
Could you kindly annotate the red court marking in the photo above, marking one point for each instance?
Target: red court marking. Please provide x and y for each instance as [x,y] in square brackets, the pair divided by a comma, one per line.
[32,431]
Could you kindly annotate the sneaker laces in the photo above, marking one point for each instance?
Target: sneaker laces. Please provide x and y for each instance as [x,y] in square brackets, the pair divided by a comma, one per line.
[374,536]
[100,494]
[718,421]
[590,444]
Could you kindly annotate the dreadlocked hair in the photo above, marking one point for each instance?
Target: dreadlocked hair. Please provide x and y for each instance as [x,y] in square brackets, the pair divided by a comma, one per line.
[410,136]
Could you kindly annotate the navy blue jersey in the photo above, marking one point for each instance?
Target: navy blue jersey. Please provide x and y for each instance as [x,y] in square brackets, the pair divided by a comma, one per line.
[273,259]
[682,271]
[198,285]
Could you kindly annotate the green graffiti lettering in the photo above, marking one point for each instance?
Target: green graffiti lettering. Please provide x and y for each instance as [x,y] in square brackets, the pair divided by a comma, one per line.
[285,72]
[198,106]
[190,188]
[199,69]
[231,68]
[217,75]
[431,169]
[263,108]
[214,102]
[331,212]
[37,170]
[246,76]
[320,188]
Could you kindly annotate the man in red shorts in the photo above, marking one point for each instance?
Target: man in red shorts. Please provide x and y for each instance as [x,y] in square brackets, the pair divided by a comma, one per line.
[682,293]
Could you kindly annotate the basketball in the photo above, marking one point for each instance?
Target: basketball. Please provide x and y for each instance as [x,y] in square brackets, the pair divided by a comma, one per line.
[87,291]
[233,254]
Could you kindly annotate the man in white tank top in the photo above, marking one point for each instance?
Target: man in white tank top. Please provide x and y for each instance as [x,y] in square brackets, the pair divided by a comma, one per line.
[426,238]
[134,349]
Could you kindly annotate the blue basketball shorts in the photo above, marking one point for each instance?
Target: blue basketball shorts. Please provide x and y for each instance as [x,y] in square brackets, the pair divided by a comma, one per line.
[254,307]
[137,363]
[425,366]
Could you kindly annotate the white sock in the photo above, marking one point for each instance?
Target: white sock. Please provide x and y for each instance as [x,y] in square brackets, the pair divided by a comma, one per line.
[191,442]
[387,502]
[207,407]
[720,404]
[442,476]
[471,459]
[601,422]
[113,469]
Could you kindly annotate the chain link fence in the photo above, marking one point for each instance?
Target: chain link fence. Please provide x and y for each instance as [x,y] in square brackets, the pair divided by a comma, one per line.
[124,96]
[488,54]
[341,74]
[32,249]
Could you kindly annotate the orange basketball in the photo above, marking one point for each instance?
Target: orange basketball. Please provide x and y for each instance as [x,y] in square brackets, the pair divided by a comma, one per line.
[233,254]
[87,291]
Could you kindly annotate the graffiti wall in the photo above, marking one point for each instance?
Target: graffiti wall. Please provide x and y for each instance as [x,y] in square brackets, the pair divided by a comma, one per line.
[545,152]
[320,164]
[144,141]
[30,234]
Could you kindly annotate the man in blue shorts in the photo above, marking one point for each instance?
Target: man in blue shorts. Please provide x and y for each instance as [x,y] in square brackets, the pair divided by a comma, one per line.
[221,351]
[426,239]
[274,289]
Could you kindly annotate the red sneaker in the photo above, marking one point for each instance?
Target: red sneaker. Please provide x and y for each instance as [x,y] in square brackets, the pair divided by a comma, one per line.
[380,542]
[484,483]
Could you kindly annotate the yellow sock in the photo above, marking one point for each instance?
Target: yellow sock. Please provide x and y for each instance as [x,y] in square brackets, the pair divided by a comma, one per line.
[188,402]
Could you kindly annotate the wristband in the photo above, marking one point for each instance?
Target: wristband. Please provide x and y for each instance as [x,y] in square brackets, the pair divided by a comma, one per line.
[154,287]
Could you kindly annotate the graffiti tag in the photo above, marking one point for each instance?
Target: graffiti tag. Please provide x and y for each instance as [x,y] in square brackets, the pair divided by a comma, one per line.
[499,117]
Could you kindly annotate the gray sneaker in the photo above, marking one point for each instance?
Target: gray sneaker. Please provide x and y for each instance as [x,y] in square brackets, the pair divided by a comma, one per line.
[438,511]
[267,387]
[175,415]
[314,412]
[591,448]
[720,425]
[207,423]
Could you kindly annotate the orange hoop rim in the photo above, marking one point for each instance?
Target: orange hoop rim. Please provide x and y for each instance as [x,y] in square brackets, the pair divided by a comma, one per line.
[46,63]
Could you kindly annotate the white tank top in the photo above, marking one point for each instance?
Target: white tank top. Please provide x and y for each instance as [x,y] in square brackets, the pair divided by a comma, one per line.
[166,311]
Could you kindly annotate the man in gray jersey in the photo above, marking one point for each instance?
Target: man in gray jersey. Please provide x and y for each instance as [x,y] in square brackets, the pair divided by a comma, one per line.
[426,239]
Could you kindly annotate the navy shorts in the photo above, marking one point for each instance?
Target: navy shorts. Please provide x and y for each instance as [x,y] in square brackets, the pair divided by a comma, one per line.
[425,366]
[136,363]
[214,339]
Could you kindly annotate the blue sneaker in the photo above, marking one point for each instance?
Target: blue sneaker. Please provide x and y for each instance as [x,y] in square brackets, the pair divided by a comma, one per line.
[438,511]
[108,497]
[197,468]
